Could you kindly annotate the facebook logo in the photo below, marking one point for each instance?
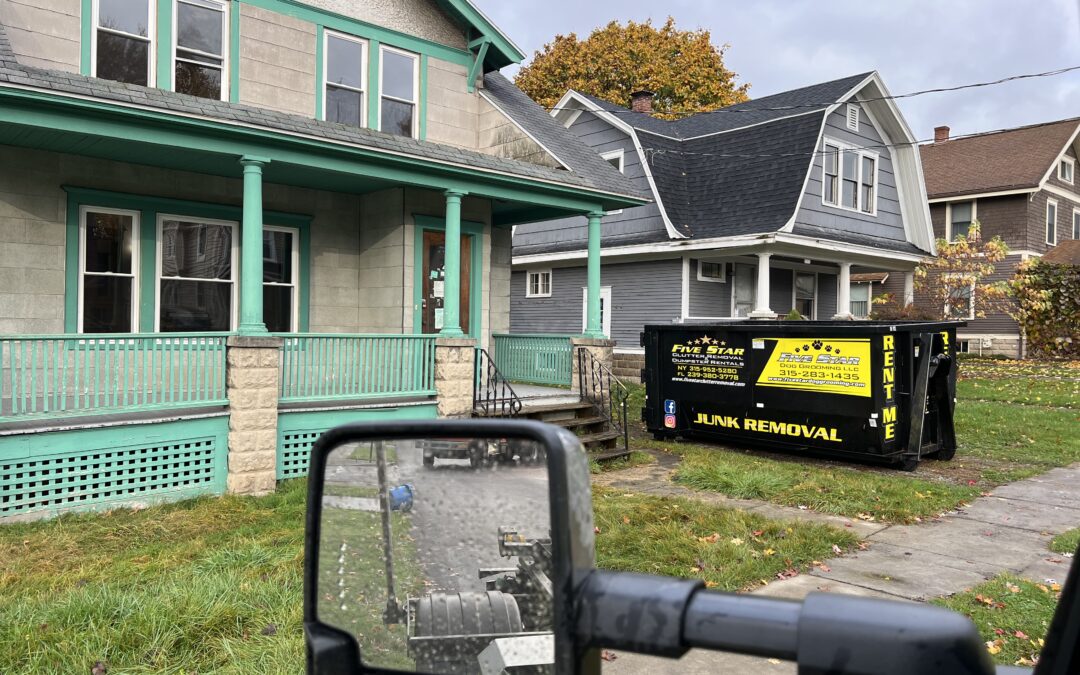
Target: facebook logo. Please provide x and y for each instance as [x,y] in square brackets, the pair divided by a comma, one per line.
[669,407]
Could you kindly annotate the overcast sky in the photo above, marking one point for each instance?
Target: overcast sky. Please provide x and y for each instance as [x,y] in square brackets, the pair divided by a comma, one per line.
[777,45]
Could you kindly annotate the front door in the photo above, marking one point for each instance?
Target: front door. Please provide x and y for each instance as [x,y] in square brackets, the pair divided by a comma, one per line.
[433,280]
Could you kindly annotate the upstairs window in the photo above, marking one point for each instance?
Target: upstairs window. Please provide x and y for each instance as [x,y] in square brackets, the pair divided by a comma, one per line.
[961,215]
[866,186]
[399,92]
[123,41]
[1076,224]
[107,271]
[346,79]
[616,159]
[1051,222]
[830,184]
[199,60]
[539,284]
[849,178]
[1066,167]
[960,300]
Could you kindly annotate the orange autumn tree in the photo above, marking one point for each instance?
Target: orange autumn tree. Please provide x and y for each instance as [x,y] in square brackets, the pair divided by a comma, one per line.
[682,67]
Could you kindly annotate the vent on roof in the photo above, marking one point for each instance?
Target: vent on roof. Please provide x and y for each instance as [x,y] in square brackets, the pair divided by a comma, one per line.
[853,117]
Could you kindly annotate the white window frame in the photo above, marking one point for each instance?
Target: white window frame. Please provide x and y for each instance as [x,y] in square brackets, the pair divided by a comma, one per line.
[225,8]
[1076,223]
[415,103]
[1051,229]
[605,316]
[971,305]
[528,283]
[607,157]
[364,56]
[843,148]
[294,320]
[234,264]
[817,291]
[869,297]
[136,228]
[151,30]
[1071,163]
[948,216]
[851,118]
[713,280]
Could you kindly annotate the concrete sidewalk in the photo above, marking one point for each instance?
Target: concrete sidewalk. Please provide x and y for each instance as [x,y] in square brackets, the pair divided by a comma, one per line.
[1007,531]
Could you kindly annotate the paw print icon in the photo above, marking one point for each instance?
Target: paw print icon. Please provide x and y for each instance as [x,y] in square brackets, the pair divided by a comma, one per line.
[817,344]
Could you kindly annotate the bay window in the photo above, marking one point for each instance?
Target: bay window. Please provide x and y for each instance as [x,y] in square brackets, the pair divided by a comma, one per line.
[196,289]
[345,73]
[199,58]
[280,268]
[123,41]
[107,270]
[399,92]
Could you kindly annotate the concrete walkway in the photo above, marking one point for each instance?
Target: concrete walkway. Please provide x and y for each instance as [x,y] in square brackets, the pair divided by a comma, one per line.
[1007,531]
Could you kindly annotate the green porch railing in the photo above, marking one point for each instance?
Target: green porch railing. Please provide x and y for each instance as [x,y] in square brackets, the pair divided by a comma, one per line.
[328,367]
[56,376]
[536,359]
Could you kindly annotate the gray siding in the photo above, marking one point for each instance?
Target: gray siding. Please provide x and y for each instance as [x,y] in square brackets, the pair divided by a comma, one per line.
[617,228]
[887,223]
[709,299]
[780,291]
[641,292]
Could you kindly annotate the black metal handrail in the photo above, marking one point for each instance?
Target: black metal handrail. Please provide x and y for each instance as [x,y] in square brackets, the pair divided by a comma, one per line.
[601,388]
[492,393]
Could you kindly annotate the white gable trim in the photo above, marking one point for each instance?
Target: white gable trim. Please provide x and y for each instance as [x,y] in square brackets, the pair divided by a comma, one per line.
[487,97]
[572,95]
[981,195]
[1052,171]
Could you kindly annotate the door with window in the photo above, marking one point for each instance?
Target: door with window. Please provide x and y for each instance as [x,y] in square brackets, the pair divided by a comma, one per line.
[806,294]
[605,309]
[433,282]
[744,290]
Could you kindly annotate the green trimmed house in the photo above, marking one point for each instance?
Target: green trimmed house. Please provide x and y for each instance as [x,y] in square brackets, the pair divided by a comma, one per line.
[228,225]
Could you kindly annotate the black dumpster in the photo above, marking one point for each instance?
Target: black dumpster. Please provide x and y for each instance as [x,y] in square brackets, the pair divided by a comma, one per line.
[875,390]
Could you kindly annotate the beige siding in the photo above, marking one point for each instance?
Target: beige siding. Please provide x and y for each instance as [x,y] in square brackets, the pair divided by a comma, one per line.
[500,137]
[451,109]
[45,35]
[277,61]
[500,280]
[421,18]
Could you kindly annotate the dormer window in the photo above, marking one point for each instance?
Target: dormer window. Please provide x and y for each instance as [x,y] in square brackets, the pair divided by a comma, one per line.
[199,59]
[123,41]
[1066,168]
[346,80]
[849,177]
[399,92]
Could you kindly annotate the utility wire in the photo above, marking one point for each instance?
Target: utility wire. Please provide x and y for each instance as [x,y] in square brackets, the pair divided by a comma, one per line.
[803,106]
[653,152]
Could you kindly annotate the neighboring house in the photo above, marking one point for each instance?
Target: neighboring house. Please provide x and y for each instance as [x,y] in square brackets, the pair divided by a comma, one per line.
[227,225]
[1021,185]
[760,208]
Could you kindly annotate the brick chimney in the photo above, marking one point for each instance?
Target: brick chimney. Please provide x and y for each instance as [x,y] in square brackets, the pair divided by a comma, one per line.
[641,101]
[941,134]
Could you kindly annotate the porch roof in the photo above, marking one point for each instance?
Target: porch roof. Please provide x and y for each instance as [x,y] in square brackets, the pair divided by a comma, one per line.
[67,112]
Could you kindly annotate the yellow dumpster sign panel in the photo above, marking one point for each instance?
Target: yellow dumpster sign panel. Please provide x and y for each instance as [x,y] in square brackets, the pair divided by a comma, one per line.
[831,366]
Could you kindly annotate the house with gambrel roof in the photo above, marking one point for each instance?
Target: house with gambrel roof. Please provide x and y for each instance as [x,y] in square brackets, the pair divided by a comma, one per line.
[759,208]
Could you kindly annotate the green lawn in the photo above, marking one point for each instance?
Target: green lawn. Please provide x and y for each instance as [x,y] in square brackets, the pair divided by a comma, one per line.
[1066,542]
[1012,615]
[727,548]
[635,458]
[1013,420]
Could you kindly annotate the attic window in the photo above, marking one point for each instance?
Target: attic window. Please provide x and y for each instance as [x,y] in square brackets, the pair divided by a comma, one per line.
[614,158]
[1066,167]
[853,117]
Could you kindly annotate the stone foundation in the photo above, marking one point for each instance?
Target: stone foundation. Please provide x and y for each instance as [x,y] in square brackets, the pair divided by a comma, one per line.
[627,367]
[252,380]
[602,350]
[455,365]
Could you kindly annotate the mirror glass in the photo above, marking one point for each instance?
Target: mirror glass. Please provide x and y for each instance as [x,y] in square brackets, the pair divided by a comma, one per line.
[436,554]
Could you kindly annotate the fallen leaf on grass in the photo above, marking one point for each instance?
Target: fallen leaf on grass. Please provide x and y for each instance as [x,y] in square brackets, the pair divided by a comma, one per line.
[626,520]
[1020,634]
[711,539]
[994,646]
[768,551]
[758,533]
[735,541]
[837,550]
[711,584]
[1013,588]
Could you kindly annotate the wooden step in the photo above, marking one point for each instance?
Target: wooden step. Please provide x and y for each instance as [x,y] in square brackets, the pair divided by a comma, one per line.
[578,422]
[605,455]
[599,437]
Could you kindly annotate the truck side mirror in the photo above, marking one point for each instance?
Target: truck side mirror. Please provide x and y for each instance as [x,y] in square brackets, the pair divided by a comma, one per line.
[468,546]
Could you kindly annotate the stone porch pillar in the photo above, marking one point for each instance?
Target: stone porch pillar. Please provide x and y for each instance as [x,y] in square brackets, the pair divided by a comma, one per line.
[909,288]
[251,248]
[455,365]
[843,295]
[252,379]
[451,327]
[602,349]
[593,325]
[761,297]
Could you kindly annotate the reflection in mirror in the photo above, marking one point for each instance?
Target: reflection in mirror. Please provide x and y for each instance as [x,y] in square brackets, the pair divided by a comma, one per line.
[436,554]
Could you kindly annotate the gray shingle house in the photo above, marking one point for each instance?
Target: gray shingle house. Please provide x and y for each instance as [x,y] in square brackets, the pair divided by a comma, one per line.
[759,208]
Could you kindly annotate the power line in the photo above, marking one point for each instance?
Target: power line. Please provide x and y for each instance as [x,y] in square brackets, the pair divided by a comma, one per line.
[803,106]
[652,152]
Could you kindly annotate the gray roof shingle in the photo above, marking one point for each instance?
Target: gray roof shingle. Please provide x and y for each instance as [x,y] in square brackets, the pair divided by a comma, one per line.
[588,175]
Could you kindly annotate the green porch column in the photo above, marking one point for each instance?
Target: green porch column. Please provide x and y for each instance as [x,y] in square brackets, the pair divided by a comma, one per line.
[594,327]
[251,249]
[452,270]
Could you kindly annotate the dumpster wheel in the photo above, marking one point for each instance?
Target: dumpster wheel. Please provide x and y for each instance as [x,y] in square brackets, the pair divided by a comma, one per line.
[462,614]
[908,462]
